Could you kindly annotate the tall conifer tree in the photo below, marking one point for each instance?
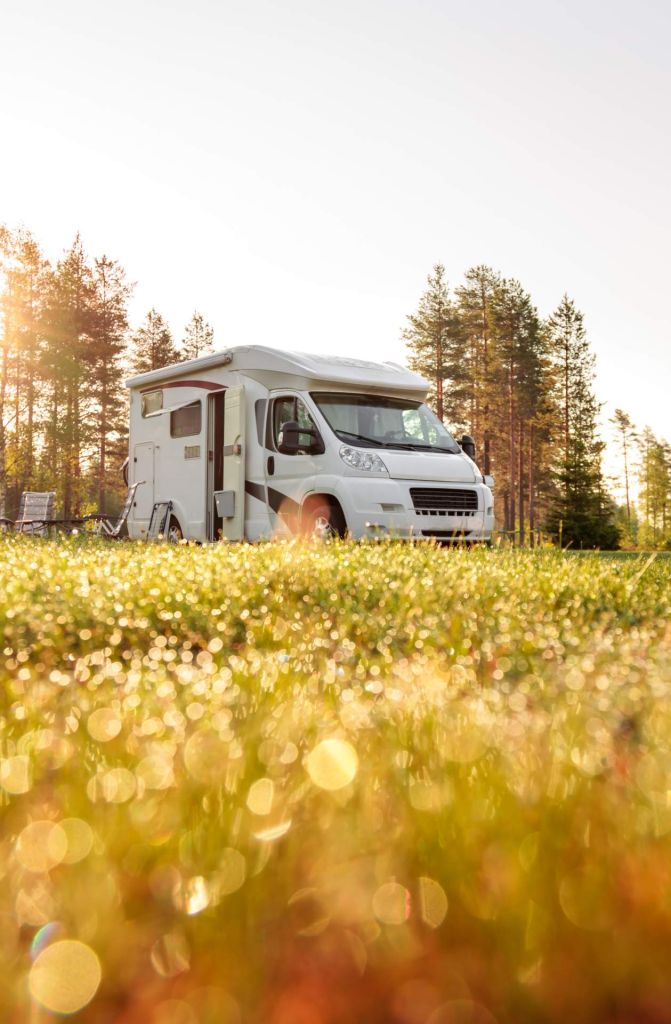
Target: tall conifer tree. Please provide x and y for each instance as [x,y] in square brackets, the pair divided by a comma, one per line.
[68,320]
[434,346]
[198,338]
[580,513]
[153,346]
[625,433]
[654,474]
[109,323]
[516,390]
[475,310]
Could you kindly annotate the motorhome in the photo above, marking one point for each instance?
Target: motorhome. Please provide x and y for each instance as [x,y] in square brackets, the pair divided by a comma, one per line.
[254,442]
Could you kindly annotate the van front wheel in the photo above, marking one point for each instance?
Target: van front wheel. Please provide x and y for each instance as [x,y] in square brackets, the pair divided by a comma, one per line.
[323,521]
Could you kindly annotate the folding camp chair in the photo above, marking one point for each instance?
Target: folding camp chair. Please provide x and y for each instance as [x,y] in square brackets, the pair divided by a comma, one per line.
[108,527]
[160,518]
[36,513]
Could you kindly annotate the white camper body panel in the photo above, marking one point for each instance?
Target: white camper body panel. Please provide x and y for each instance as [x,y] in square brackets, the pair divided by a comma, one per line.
[204,436]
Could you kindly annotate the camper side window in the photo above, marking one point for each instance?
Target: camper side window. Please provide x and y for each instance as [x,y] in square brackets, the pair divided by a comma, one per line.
[151,402]
[185,422]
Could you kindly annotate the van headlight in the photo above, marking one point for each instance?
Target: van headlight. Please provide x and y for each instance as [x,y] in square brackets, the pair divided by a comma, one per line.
[367,462]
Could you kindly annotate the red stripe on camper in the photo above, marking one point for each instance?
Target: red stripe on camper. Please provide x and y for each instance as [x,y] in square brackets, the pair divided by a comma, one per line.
[208,385]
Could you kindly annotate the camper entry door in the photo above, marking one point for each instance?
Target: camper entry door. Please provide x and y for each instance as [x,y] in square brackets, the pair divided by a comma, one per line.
[226,465]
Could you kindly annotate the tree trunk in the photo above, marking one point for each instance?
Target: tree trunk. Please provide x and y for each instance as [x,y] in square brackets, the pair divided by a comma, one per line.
[103,442]
[67,460]
[532,485]
[4,377]
[511,447]
[439,377]
[521,483]
[626,482]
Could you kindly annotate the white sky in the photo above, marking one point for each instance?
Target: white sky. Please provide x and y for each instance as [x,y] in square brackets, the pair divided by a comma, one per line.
[294,169]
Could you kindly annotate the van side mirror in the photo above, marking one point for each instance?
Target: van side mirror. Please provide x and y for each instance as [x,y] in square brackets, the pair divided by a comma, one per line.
[468,446]
[289,444]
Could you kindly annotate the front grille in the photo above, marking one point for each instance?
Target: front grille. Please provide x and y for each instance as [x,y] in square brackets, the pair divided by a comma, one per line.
[444,500]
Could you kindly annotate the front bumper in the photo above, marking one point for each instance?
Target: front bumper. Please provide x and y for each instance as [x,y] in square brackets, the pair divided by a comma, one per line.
[384,507]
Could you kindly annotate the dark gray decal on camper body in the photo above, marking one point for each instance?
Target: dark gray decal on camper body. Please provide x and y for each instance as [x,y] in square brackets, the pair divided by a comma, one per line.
[278,502]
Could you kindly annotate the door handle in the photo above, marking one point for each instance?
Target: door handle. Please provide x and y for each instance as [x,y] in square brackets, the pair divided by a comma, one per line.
[271,465]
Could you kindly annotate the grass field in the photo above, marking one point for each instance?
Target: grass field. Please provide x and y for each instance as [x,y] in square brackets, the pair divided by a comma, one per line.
[295,784]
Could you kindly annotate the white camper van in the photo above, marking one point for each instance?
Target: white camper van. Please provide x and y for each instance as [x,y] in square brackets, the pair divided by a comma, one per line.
[254,442]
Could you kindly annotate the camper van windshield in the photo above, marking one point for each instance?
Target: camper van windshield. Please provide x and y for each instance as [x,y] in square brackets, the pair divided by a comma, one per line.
[379,422]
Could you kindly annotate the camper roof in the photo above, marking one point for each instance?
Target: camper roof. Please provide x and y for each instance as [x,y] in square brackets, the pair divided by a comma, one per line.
[300,368]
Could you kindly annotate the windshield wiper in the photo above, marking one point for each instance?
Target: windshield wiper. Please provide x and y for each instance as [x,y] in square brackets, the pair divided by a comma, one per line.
[362,437]
[406,446]
[383,444]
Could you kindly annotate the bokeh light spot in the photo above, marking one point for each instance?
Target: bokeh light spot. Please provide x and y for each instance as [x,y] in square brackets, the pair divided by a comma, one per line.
[332,764]
[432,902]
[79,836]
[260,797]
[65,976]
[41,846]
[104,724]
[15,774]
[391,903]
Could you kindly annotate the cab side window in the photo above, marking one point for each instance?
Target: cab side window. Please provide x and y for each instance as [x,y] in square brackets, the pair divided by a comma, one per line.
[284,409]
[290,408]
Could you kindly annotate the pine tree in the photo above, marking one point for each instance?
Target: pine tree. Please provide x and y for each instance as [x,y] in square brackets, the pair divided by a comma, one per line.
[434,344]
[198,338]
[5,336]
[655,490]
[153,346]
[109,324]
[581,514]
[475,310]
[30,282]
[517,392]
[626,435]
[68,326]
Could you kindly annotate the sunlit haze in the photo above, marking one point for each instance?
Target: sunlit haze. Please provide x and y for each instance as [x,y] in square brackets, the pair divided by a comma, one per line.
[293,170]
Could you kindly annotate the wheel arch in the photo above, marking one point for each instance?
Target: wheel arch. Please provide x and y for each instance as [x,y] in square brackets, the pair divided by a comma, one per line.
[318,498]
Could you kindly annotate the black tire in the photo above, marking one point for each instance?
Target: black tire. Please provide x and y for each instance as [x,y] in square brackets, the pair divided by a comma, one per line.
[323,521]
[174,534]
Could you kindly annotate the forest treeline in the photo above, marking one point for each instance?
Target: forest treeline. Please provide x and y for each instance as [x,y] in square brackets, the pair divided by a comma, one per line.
[522,385]
[65,348]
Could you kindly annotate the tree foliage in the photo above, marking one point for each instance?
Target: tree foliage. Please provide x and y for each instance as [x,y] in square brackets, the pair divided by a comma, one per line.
[433,337]
[525,389]
[152,345]
[198,338]
[65,348]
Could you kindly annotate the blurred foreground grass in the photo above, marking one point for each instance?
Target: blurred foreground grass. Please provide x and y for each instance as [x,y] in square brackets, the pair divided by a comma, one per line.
[296,784]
